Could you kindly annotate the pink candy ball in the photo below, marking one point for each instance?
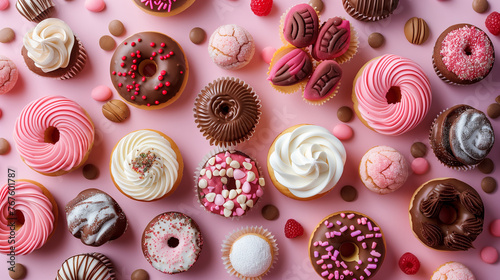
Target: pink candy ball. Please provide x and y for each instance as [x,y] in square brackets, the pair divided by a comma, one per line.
[95,5]
[420,166]
[4,4]
[343,131]
[267,54]
[489,255]
[101,93]
[495,228]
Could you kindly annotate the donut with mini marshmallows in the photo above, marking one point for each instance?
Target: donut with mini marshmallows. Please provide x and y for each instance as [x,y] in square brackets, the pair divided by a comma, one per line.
[149,70]
[54,135]
[347,245]
[391,94]
[446,214]
[172,242]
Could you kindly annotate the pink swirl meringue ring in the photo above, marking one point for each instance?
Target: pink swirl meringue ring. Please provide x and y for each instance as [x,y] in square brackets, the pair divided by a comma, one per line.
[54,135]
[391,94]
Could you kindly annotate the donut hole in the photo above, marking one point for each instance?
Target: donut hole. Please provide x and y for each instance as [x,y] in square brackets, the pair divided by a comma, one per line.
[173,242]
[349,251]
[148,68]
[231,184]
[393,95]
[468,50]
[225,109]
[19,219]
[448,214]
[51,135]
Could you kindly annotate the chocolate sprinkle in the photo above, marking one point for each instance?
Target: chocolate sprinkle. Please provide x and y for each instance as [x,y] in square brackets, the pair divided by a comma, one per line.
[348,193]
[270,212]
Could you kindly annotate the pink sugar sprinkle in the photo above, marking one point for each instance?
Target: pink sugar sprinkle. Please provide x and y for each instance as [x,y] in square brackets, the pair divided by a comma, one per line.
[327,234]
[346,272]
[326,223]
[375,254]
[355,233]
[315,243]
[337,233]
[361,277]
[351,227]
[369,235]
[375,260]
[363,245]
[374,245]
[330,225]
[339,223]
[350,216]
[336,254]
[329,248]
[337,263]
[324,273]
[376,228]
[378,235]
[370,259]
[336,274]
[316,254]
[323,266]
[356,267]
[371,266]
[330,276]
[329,266]
[343,264]
[367,272]
[370,228]
[344,228]
[342,215]
[360,238]
[325,244]
[359,221]
[363,220]
[320,261]
[324,257]
[360,262]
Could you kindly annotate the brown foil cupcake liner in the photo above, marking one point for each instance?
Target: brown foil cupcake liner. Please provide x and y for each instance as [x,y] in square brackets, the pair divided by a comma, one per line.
[79,64]
[353,47]
[441,76]
[458,168]
[279,53]
[201,165]
[353,13]
[323,101]
[237,233]
[35,10]
[225,84]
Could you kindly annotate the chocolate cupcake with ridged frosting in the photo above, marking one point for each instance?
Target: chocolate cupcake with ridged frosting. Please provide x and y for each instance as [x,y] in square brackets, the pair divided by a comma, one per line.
[461,137]
[370,10]
[227,111]
[35,10]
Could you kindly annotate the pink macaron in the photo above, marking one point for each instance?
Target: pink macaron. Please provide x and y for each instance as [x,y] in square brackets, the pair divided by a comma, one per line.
[8,74]
[383,169]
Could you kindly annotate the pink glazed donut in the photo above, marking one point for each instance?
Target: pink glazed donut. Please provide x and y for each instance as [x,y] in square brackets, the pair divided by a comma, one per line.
[391,94]
[54,135]
[172,242]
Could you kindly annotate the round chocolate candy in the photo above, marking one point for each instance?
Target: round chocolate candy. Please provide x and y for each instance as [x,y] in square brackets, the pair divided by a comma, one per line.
[197,35]
[107,43]
[488,184]
[116,28]
[116,110]
[418,149]
[270,212]
[90,171]
[376,40]
[344,114]
[4,146]
[348,193]
[7,35]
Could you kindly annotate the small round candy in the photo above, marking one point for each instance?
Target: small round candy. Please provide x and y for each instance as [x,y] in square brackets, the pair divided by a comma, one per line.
[495,228]
[19,272]
[493,110]
[344,114]
[270,212]
[420,166]
[4,146]
[486,166]
[90,171]
[348,193]
[107,43]
[197,35]
[139,274]
[116,28]
[4,4]
[376,40]
[418,149]
[489,255]
[101,93]
[318,5]
[267,54]
[343,131]
[95,5]
[488,184]
[480,6]
[7,35]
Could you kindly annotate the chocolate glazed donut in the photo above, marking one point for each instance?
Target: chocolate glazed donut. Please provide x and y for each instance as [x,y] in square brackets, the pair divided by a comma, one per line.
[446,214]
[149,70]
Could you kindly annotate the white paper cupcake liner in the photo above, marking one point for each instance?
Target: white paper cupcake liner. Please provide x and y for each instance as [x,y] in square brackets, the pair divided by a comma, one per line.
[353,47]
[321,102]
[232,237]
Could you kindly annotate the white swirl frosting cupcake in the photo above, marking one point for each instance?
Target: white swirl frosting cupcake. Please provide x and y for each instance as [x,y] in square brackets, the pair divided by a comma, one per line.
[146,165]
[306,161]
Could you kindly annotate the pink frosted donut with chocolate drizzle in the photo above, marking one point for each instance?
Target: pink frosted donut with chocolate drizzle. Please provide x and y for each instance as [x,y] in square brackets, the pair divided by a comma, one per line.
[229,184]
[391,94]
[54,135]
[347,245]
[163,8]
[463,55]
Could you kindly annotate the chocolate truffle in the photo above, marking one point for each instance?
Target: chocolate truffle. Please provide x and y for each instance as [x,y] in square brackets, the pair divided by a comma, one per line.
[416,31]
[270,212]
[115,110]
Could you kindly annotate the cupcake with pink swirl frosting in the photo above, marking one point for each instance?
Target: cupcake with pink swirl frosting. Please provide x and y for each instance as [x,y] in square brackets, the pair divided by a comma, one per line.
[391,94]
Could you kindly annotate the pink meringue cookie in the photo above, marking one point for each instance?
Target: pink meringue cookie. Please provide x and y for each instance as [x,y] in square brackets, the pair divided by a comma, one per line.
[231,47]
[383,169]
[8,74]
[453,270]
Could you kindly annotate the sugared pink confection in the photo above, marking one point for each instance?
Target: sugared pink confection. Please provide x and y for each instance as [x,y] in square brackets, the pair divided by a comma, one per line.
[495,228]
[383,169]
[489,255]
[333,40]
[301,25]
[8,74]
[267,54]
[53,135]
[392,95]
[453,271]
[231,47]
[95,5]
[324,81]
[38,218]
[343,131]
[229,184]
[101,93]
[290,69]
[474,63]
[4,4]
[420,166]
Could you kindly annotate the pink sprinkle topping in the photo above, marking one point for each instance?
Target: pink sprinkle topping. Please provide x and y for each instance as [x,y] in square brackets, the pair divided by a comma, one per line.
[371,266]
[315,243]
[324,257]
[356,267]
[329,266]
[375,253]
[320,261]
[323,266]
[360,261]
[316,254]
[364,245]
[369,235]
[378,235]
[355,233]
[342,215]
[330,225]
[374,245]
[351,227]
[344,228]
[367,272]
[324,273]
[336,233]
[325,244]
[327,234]
[360,238]
[336,254]
[350,216]
[336,274]
[370,227]
[376,228]
[342,263]
[330,276]
[329,248]
[339,223]
[468,53]
[326,222]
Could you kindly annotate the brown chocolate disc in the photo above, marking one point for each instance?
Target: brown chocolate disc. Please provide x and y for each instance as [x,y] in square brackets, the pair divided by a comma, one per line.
[139,274]
[7,35]
[486,166]
[376,40]
[480,6]
[107,43]
[488,184]
[115,110]
[348,193]
[90,171]
[270,212]
[318,5]
[19,271]
[418,149]
[344,114]
[4,146]
[197,35]
[416,31]
[493,110]
[116,28]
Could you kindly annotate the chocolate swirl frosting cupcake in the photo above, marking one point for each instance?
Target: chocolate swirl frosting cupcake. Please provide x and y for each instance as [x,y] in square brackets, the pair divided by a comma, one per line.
[227,111]
[447,214]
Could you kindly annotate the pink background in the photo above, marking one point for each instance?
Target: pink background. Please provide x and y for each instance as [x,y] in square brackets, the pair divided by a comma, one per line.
[279,112]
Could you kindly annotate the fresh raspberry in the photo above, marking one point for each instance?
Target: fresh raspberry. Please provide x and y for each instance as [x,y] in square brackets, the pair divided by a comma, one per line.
[261,7]
[409,264]
[293,229]
[493,23]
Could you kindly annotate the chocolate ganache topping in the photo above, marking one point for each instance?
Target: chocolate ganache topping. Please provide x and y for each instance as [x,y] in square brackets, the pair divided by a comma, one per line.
[227,111]
[461,222]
